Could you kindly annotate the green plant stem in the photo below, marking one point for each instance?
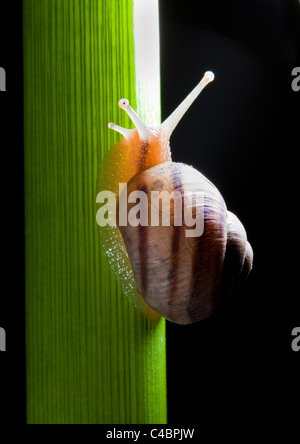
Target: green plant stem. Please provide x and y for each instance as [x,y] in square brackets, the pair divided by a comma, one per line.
[91,356]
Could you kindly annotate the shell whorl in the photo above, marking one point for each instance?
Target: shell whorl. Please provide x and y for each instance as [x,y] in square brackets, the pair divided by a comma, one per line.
[184,278]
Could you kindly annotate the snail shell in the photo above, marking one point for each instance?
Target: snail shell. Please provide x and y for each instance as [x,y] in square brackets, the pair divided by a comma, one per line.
[180,276]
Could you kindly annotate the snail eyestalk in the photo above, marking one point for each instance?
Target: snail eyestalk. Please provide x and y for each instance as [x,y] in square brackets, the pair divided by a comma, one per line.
[172,121]
[141,127]
[124,131]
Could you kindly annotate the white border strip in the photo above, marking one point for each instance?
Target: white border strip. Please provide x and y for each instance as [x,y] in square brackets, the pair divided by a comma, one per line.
[147,66]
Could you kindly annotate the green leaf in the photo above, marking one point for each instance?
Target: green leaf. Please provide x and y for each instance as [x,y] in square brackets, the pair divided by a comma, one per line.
[91,356]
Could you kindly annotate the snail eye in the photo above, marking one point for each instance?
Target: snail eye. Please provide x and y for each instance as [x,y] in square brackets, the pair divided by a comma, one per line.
[123,103]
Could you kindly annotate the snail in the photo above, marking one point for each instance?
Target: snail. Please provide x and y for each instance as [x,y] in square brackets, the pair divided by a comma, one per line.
[164,268]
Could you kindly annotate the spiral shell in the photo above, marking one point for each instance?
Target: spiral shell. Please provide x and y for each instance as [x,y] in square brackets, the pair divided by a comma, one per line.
[180,277]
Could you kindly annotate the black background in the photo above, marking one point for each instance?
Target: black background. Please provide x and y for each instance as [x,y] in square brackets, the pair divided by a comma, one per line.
[243,134]
[12,299]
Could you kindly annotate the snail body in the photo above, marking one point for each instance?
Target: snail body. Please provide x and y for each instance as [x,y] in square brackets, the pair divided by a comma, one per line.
[171,270]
